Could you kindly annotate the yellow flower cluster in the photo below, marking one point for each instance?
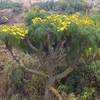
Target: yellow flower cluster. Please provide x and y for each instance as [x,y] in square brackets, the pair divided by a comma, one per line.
[37,20]
[63,22]
[82,20]
[60,21]
[55,21]
[14,30]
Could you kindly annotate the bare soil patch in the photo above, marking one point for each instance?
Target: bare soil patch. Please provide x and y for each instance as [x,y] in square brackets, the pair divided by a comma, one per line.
[14,16]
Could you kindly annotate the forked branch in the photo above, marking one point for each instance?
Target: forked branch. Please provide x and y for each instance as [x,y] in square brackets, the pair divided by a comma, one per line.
[64,74]
[70,69]
[14,56]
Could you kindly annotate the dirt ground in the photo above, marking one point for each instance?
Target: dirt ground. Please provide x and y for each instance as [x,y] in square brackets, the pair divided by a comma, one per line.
[14,16]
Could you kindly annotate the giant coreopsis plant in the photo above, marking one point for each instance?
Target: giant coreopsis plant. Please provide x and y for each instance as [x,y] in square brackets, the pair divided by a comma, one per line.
[61,43]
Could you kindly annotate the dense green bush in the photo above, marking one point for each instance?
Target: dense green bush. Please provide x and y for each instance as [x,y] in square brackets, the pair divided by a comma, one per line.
[4,5]
[81,78]
[35,12]
[69,6]
[49,5]
[95,69]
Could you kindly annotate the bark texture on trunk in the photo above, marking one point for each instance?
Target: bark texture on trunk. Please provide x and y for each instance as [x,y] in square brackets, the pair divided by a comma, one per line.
[50,90]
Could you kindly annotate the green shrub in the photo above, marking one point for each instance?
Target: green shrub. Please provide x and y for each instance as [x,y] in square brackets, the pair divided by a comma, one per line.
[69,6]
[95,69]
[49,5]
[88,94]
[35,12]
[4,5]
[80,79]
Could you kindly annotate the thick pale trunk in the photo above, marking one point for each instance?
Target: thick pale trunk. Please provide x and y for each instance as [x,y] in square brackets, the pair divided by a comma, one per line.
[50,82]
[47,95]
[50,93]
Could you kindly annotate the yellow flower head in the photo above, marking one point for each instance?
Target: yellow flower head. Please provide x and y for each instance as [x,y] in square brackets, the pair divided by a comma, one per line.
[15,30]
[63,22]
